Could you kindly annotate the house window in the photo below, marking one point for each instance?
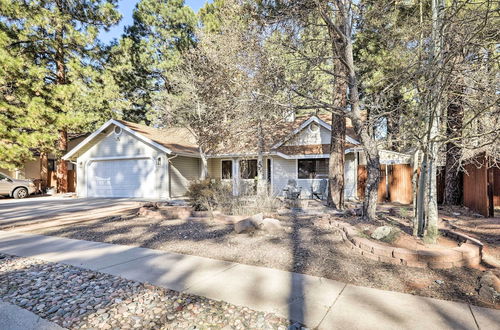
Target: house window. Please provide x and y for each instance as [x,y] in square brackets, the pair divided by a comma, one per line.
[312,168]
[227,169]
[248,168]
[51,165]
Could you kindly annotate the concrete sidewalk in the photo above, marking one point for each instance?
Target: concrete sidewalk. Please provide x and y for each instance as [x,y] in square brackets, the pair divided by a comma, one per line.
[13,317]
[314,301]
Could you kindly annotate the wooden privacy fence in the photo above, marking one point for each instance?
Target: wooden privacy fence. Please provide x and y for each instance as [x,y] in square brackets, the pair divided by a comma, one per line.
[394,186]
[482,187]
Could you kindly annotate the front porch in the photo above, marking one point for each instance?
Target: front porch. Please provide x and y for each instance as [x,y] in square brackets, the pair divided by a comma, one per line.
[241,175]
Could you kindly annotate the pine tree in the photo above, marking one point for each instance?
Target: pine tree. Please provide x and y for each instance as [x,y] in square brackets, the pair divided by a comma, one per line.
[60,37]
[24,113]
[144,59]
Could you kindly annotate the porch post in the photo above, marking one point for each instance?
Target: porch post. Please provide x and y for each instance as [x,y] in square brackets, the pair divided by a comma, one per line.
[236,177]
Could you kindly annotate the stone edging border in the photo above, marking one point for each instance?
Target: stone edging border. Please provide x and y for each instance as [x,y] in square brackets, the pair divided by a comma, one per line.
[468,254]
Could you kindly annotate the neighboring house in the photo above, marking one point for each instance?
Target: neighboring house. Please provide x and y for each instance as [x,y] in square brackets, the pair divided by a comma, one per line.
[43,168]
[123,159]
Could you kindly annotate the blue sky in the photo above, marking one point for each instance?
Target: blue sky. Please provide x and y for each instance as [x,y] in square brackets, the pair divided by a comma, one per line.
[126,8]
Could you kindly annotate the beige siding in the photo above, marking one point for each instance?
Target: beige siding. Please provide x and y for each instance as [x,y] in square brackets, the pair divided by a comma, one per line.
[215,168]
[182,171]
[12,174]
[32,169]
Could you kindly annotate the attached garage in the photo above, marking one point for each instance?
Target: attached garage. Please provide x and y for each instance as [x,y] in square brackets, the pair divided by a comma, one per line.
[121,178]
[123,159]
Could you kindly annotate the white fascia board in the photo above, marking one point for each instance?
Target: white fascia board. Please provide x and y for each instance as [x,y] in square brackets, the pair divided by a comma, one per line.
[282,155]
[123,127]
[237,155]
[87,140]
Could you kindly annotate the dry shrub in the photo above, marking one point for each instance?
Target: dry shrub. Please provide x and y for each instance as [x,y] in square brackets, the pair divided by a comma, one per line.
[212,194]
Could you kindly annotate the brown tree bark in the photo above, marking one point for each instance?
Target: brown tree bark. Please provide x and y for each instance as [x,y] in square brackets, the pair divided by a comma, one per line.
[336,163]
[62,166]
[453,189]
[337,134]
[44,170]
[341,30]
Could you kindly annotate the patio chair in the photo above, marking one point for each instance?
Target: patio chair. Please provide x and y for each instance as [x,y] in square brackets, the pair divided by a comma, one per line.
[320,192]
[291,190]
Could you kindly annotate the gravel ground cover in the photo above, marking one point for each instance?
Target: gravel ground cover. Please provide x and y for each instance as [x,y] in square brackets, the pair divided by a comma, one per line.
[307,244]
[76,298]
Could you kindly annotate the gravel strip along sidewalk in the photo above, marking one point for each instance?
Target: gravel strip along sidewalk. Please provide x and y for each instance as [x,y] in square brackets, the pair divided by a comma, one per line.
[77,298]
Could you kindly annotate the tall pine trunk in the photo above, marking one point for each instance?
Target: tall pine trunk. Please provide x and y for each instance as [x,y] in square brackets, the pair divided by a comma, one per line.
[453,188]
[62,144]
[336,163]
[341,29]
[337,134]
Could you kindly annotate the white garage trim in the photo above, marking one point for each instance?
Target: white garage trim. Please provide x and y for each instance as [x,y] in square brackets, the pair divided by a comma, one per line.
[120,157]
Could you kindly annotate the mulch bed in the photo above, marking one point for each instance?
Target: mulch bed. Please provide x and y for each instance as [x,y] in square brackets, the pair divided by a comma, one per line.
[308,244]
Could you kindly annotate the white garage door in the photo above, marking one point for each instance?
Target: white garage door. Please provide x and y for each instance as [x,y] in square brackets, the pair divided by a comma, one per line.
[121,178]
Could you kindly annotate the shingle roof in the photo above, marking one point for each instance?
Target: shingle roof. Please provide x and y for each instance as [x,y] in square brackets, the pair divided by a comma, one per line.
[178,139]
[243,141]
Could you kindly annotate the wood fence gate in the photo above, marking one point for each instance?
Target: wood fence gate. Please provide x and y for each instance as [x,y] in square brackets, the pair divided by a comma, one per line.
[394,186]
[482,187]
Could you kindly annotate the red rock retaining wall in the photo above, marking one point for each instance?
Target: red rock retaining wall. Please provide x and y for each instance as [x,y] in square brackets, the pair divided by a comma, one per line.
[468,254]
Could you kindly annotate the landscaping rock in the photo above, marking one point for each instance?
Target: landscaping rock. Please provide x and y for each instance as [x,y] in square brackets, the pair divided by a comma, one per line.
[489,288]
[149,213]
[283,211]
[271,225]
[381,232]
[257,219]
[82,299]
[244,226]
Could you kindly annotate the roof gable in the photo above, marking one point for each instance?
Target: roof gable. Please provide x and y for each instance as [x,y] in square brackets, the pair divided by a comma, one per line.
[167,141]
[302,135]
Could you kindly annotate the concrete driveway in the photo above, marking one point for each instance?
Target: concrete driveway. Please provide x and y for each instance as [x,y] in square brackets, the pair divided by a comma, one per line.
[22,213]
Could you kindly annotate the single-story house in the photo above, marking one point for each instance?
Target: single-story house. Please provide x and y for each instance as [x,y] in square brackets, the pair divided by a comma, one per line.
[123,159]
[42,168]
